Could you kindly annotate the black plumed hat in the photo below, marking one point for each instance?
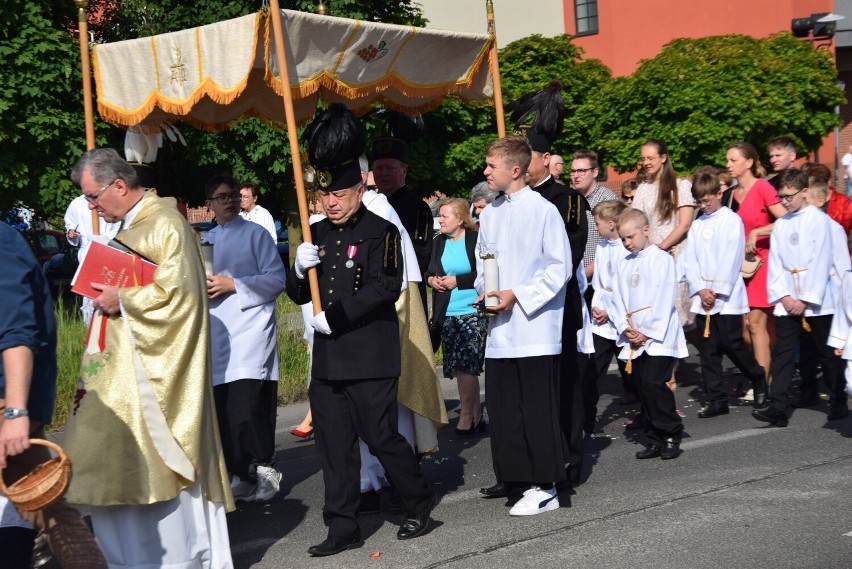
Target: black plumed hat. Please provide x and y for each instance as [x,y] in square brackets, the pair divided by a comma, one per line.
[402,130]
[335,139]
[547,111]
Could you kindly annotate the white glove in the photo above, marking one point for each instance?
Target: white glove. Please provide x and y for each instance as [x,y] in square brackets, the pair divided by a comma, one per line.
[307,256]
[320,323]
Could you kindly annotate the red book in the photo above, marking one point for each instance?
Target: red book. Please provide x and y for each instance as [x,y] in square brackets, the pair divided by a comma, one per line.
[110,266]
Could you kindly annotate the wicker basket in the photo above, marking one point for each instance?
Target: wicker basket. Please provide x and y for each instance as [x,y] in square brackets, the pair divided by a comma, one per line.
[43,486]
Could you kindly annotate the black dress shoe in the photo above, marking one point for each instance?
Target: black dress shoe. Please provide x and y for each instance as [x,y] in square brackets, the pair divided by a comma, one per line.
[648,452]
[334,544]
[670,450]
[770,415]
[714,410]
[417,524]
[497,491]
[839,410]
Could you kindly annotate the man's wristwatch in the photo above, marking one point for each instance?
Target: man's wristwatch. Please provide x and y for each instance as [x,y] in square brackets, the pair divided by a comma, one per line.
[13,413]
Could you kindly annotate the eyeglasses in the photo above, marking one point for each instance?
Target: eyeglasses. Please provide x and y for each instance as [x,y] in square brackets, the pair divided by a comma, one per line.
[627,198]
[222,199]
[244,197]
[573,171]
[645,159]
[97,195]
[789,197]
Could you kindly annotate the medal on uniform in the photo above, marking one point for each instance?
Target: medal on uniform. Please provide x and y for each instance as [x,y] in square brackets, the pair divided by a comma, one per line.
[322,250]
[350,252]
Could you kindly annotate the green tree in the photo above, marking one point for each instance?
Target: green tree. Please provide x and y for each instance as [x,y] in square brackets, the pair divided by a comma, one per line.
[700,95]
[527,64]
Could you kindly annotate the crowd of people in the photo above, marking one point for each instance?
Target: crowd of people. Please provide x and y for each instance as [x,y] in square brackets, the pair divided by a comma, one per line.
[535,283]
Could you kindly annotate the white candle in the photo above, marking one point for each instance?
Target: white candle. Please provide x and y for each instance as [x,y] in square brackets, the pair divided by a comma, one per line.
[207,255]
[489,265]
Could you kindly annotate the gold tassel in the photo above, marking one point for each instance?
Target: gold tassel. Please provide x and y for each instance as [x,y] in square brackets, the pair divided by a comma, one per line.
[707,326]
[628,367]
[805,326]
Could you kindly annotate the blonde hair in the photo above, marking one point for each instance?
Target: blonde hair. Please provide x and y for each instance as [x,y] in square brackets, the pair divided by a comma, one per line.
[632,215]
[609,210]
[461,208]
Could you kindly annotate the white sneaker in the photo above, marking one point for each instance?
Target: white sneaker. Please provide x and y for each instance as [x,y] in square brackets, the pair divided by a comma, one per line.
[268,483]
[243,490]
[535,501]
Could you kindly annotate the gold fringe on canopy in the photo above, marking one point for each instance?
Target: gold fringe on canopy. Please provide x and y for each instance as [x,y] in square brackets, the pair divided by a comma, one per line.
[213,75]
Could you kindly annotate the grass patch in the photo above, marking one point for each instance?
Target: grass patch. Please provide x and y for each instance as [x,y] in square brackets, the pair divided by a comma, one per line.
[71,337]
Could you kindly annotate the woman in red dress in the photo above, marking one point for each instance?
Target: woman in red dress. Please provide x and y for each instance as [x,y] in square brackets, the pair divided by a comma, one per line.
[757,204]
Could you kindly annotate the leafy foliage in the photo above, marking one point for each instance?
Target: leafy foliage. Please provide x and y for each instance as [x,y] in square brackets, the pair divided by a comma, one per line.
[700,95]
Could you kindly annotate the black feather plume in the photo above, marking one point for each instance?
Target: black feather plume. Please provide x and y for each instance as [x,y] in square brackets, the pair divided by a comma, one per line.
[334,137]
[546,107]
[403,127]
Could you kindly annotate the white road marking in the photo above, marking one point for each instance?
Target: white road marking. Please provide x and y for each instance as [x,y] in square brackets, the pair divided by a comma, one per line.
[728,437]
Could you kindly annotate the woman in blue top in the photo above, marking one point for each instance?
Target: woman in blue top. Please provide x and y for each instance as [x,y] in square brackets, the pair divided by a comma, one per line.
[451,272]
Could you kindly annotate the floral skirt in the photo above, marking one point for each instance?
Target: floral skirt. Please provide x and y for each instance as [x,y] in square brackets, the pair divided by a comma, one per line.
[463,342]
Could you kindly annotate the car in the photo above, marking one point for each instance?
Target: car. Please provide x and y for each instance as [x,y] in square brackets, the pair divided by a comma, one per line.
[57,257]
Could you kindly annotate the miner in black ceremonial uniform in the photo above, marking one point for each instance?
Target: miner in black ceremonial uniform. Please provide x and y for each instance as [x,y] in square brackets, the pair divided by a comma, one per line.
[389,171]
[356,352]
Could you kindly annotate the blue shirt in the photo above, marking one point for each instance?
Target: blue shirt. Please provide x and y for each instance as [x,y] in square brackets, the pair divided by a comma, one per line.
[26,319]
[455,262]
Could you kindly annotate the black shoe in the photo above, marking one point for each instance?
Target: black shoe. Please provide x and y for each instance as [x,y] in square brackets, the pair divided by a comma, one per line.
[334,544]
[770,415]
[714,410]
[370,503]
[417,524]
[807,398]
[671,448]
[474,429]
[839,410]
[650,451]
[638,423]
[496,491]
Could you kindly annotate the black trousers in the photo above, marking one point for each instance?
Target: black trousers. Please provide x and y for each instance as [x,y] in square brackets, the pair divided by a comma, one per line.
[246,410]
[788,332]
[343,411]
[605,350]
[658,402]
[523,405]
[726,337]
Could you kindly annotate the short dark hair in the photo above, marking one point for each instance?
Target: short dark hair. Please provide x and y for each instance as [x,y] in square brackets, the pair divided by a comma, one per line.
[251,186]
[589,155]
[782,142]
[219,180]
[792,178]
[705,184]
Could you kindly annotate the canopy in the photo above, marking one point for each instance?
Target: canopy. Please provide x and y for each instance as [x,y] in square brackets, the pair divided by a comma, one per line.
[211,75]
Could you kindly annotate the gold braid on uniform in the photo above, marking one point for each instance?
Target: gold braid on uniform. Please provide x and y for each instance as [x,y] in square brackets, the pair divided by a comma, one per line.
[422,227]
[390,263]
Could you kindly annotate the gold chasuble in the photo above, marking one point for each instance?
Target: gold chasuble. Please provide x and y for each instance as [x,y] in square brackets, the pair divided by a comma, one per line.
[143,424]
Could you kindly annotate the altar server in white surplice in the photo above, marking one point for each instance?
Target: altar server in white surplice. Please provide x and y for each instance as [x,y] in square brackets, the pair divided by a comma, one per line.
[818,195]
[799,281]
[644,293]
[527,235]
[609,252]
[711,264]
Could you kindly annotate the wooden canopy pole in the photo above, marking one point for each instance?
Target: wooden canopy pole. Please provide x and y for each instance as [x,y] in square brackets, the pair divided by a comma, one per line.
[83,31]
[494,64]
[290,116]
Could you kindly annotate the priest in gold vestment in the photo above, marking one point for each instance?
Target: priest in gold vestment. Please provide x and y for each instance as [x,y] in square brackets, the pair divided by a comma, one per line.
[142,433]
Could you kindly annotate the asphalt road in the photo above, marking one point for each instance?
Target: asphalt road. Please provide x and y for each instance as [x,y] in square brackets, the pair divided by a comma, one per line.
[742,495]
